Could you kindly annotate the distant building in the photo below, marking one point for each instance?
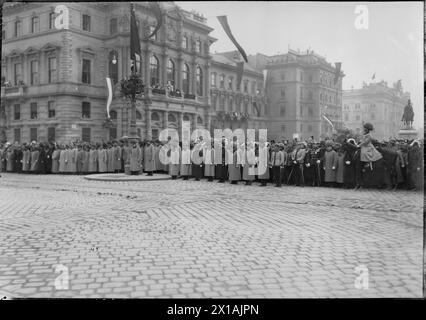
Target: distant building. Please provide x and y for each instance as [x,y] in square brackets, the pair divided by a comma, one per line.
[300,90]
[378,104]
[227,98]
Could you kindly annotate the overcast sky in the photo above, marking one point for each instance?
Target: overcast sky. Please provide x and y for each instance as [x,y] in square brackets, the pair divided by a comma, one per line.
[392,47]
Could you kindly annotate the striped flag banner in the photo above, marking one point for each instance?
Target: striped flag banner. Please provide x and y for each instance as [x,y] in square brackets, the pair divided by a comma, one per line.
[109,85]
[265,74]
[328,120]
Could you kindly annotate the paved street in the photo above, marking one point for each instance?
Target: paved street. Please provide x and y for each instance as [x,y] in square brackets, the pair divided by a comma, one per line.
[205,239]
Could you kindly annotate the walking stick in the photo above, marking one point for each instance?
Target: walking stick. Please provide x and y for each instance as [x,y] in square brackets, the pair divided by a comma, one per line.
[289,176]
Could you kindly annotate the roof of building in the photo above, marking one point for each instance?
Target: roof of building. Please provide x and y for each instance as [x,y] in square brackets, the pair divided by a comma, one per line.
[227,58]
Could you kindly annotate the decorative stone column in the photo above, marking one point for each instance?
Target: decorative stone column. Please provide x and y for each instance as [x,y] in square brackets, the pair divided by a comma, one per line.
[165,119]
[179,68]
[163,67]
[148,124]
[146,79]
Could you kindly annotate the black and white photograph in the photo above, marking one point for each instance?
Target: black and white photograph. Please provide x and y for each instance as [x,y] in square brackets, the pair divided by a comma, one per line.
[212,150]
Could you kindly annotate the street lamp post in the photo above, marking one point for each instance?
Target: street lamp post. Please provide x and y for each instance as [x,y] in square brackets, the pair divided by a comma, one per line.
[131,88]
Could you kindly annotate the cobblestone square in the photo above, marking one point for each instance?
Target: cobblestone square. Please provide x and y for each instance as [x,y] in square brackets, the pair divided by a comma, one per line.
[178,238]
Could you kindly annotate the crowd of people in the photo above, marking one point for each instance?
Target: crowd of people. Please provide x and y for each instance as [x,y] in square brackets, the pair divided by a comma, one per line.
[366,163]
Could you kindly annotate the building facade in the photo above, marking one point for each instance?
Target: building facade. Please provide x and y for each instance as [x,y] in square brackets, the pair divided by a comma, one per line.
[54,80]
[234,106]
[378,104]
[300,90]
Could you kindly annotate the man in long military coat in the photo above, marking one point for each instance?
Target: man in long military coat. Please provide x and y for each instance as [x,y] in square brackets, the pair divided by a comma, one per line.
[149,158]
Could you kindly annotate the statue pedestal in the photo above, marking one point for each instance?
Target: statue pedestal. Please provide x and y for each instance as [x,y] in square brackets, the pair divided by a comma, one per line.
[407,134]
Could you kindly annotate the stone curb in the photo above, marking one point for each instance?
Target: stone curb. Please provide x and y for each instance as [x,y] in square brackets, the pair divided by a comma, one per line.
[122,177]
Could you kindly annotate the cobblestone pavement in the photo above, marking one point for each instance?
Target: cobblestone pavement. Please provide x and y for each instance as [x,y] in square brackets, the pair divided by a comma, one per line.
[204,239]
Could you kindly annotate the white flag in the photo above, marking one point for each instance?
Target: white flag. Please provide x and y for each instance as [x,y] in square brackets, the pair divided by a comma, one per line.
[109,85]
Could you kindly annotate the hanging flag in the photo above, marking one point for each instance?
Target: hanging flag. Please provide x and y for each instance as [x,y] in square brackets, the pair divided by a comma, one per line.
[337,74]
[135,45]
[328,120]
[373,77]
[109,85]
[240,71]
[156,9]
[224,22]
[265,74]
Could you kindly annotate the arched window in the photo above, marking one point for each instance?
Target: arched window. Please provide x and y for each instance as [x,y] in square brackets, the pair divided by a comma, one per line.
[185,117]
[154,70]
[171,72]
[171,118]
[113,66]
[199,79]
[113,114]
[199,120]
[185,78]
[138,115]
[155,116]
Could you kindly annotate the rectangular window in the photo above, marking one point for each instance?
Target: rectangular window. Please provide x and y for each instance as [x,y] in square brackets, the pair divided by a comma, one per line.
[51,20]
[113,26]
[230,84]
[112,133]
[198,46]
[154,134]
[85,110]
[154,36]
[51,112]
[246,86]
[18,28]
[282,92]
[52,70]
[17,111]
[222,81]
[85,134]
[213,80]
[17,77]
[357,118]
[34,72]
[33,110]
[33,134]
[185,42]
[85,76]
[86,22]
[17,135]
[34,24]
[3,34]
[51,134]
[309,128]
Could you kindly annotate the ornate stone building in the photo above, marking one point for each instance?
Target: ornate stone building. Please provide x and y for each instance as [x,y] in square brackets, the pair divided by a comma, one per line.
[233,106]
[378,104]
[300,90]
[54,80]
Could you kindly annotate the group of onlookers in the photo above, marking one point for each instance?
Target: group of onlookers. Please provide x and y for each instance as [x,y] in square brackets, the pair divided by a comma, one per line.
[348,163]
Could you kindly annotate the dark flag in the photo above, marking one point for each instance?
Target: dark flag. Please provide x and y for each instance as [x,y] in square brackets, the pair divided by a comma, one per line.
[156,9]
[240,70]
[135,45]
[337,74]
[373,77]
[224,22]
